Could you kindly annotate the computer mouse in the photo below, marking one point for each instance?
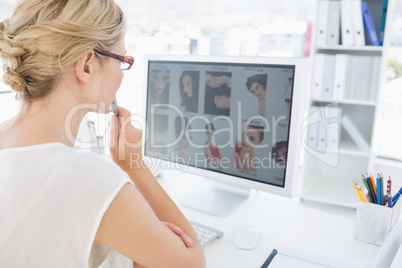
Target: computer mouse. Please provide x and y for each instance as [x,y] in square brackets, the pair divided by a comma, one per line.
[247,237]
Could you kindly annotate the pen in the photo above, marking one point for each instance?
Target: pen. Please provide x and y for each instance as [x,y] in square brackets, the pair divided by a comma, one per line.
[367,187]
[395,198]
[362,194]
[388,187]
[371,186]
[378,189]
[357,191]
[382,190]
[270,258]
[389,199]
[115,110]
[372,183]
[115,107]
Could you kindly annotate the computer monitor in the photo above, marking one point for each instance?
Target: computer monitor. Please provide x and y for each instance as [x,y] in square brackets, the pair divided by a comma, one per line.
[236,120]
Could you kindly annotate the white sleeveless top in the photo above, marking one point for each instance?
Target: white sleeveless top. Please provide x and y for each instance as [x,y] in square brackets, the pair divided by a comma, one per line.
[52,200]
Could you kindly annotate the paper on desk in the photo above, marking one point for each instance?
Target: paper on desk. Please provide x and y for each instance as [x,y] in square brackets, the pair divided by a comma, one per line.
[282,261]
[286,257]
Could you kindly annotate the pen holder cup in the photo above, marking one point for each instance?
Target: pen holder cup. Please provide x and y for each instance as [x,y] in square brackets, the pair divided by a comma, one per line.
[375,222]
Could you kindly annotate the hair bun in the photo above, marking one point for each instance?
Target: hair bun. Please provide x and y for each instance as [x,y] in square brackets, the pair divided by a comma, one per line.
[2,38]
[2,26]
[14,80]
[43,39]
[7,48]
[12,57]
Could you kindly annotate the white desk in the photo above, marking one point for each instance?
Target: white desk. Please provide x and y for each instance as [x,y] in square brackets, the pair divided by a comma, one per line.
[322,229]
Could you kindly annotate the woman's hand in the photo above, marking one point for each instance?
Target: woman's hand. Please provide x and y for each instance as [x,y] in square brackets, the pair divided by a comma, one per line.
[218,81]
[125,142]
[179,232]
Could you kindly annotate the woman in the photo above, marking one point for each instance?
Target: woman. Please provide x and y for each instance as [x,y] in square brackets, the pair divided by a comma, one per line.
[279,152]
[60,208]
[244,149]
[188,85]
[159,88]
[211,149]
[257,85]
[183,135]
[287,94]
[217,93]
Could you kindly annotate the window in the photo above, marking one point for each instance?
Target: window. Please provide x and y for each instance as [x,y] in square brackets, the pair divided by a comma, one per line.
[388,143]
[208,27]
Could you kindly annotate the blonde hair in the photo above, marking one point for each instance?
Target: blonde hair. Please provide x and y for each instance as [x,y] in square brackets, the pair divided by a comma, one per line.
[43,38]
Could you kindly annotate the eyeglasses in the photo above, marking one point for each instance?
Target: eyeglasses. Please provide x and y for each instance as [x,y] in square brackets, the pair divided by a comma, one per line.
[125,61]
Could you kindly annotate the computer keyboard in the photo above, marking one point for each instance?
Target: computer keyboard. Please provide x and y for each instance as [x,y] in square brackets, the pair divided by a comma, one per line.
[206,234]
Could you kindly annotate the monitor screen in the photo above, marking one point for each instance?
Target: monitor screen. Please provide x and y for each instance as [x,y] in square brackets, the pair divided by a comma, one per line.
[235,119]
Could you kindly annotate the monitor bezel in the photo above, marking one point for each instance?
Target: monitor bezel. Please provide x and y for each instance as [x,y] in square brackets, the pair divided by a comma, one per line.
[299,101]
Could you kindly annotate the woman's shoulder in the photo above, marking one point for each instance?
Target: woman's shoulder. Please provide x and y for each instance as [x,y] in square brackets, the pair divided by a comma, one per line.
[92,172]
[93,162]
[80,164]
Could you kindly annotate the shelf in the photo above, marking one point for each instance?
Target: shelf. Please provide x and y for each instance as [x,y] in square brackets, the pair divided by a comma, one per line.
[331,190]
[333,184]
[349,102]
[388,161]
[348,149]
[377,50]
[353,152]
[328,176]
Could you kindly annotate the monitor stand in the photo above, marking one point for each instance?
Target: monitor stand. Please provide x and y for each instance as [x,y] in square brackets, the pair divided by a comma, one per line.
[221,199]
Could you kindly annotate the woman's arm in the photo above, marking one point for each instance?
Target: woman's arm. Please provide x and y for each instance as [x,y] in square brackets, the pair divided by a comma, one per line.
[132,224]
[286,91]
[261,108]
[207,152]
[130,227]
[218,81]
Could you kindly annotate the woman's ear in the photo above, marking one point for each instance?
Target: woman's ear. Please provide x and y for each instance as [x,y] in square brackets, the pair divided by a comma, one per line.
[85,67]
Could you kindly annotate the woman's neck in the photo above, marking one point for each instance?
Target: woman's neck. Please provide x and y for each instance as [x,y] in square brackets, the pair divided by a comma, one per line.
[47,120]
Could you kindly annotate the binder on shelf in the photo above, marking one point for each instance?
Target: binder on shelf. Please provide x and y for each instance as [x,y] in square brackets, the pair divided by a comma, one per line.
[334,23]
[323,127]
[364,91]
[355,134]
[322,22]
[358,28]
[361,78]
[328,77]
[322,137]
[369,24]
[343,76]
[383,19]
[347,23]
[328,137]
[375,78]
[352,77]
[333,128]
[313,125]
[360,74]
[341,63]
[319,62]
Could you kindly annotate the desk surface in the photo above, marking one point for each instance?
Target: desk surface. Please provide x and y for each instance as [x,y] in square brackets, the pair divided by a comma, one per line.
[284,222]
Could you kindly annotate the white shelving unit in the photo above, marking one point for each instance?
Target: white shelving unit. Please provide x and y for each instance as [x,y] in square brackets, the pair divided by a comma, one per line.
[331,183]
